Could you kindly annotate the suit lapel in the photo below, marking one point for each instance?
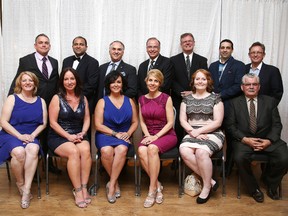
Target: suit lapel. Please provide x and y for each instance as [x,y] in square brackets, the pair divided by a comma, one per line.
[243,106]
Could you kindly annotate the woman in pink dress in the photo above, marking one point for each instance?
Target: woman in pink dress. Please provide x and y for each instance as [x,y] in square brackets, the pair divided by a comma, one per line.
[156,120]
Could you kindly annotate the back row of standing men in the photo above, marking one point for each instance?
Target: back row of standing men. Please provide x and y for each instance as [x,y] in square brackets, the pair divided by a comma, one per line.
[177,70]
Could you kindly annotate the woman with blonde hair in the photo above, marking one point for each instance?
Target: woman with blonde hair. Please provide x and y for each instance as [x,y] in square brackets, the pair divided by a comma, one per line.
[156,120]
[24,116]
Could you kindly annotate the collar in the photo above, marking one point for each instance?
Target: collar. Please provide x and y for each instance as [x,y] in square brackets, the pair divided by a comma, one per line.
[155,59]
[40,57]
[258,67]
[248,99]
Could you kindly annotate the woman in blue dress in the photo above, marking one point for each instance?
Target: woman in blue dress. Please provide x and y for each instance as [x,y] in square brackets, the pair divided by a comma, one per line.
[24,116]
[69,121]
[115,120]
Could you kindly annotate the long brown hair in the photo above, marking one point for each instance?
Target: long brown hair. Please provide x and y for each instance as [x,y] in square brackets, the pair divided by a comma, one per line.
[207,74]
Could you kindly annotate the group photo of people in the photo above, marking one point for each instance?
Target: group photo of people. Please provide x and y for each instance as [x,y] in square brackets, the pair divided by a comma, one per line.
[79,105]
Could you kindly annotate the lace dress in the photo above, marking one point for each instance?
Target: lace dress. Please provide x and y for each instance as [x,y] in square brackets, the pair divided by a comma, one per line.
[200,112]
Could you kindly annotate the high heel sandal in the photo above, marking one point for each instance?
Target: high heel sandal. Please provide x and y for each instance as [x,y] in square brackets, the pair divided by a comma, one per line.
[150,199]
[87,199]
[118,192]
[80,204]
[20,188]
[159,194]
[111,199]
[25,202]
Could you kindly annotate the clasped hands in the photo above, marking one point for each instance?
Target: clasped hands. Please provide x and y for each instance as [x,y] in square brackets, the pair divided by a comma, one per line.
[76,138]
[27,138]
[123,136]
[149,139]
[257,144]
[195,133]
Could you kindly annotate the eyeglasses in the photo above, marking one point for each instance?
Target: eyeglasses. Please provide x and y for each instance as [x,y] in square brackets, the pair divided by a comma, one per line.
[152,47]
[256,53]
[249,84]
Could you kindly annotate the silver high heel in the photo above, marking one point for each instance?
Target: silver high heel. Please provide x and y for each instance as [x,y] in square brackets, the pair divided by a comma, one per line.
[111,199]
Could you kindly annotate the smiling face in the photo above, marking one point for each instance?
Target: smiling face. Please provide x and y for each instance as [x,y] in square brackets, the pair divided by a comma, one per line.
[225,51]
[200,81]
[69,81]
[256,54]
[79,46]
[153,84]
[153,48]
[42,45]
[116,51]
[27,83]
[116,86]
[187,44]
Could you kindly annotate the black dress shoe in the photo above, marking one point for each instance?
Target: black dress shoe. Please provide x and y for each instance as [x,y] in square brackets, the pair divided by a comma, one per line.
[258,196]
[200,200]
[215,186]
[54,170]
[273,194]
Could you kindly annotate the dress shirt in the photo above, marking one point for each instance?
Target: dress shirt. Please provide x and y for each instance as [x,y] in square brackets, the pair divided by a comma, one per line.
[255,103]
[39,60]
[256,71]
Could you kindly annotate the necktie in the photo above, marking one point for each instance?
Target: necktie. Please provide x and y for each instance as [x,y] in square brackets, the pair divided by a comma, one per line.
[188,67]
[113,67]
[44,68]
[151,65]
[77,58]
[253,123]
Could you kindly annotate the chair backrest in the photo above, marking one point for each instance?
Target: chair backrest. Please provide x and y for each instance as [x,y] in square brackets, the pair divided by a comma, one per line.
[175,112]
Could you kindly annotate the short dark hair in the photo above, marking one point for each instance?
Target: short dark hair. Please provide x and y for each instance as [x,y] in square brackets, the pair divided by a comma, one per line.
[80,37]
[228,41]
[41,35]
[153,38]
[185,35]
[257,44]
[111,78]
[61,88]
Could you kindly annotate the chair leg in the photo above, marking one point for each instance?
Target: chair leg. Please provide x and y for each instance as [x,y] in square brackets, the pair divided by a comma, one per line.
[280,191]
[239,187]
[179,178]
[8,171]
[93,188]
[223,178]
[38,181]
[136,175]
[47,174]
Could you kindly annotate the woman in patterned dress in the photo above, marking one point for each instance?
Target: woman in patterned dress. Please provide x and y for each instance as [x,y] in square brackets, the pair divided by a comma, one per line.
[201,116]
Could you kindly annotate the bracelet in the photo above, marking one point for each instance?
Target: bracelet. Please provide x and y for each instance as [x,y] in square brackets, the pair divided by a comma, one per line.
[114,133]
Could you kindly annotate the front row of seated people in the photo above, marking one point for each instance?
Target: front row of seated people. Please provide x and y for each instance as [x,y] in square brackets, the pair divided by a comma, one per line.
[24,116]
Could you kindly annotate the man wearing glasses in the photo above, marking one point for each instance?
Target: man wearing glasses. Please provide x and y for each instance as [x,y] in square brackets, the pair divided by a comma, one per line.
[270,77]
[255,125]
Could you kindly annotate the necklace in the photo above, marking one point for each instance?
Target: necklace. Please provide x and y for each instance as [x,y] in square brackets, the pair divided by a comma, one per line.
[27,99]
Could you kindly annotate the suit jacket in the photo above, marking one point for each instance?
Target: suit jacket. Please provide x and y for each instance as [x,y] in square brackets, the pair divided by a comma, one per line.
[180,81]
[164,65]
[229,85]
[127,70]
[47,88]
[269,124]
[87,69]
[270,81]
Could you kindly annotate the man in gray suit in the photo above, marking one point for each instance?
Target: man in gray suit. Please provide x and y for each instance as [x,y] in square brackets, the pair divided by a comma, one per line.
[255,125]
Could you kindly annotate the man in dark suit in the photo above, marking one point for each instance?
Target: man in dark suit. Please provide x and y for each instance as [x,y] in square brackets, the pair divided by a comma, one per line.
[155,61]
[270,77]
[255,125]
[47,82]
[227,74]
[116,51]
[185,64]
[86,66]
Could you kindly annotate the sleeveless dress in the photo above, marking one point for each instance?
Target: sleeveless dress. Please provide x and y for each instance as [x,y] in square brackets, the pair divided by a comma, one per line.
[70,120]
[202,109]
[25,118]
[116,119]
[154,114]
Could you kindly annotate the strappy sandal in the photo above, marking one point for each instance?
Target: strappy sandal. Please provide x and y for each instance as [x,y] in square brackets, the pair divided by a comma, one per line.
[87,199]
[110,199]
[80,204]
[150,199]
[26,198]
[159,194]
[20,188]
[118,192]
